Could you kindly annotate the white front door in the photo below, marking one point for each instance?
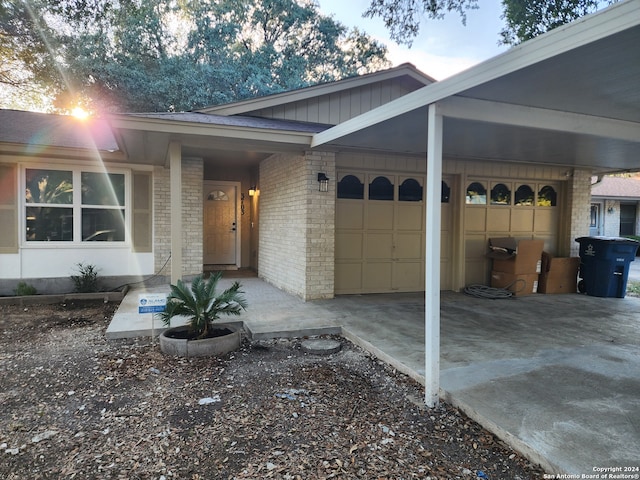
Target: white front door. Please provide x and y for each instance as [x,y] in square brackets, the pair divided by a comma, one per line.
[595,222]
[220,224]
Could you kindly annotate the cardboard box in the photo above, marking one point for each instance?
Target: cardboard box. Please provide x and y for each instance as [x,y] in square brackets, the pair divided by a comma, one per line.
[516,256]
[518,284]
[559,274]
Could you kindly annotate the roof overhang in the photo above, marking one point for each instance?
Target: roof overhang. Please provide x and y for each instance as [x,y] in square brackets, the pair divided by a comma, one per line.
[569,97]
[146,140]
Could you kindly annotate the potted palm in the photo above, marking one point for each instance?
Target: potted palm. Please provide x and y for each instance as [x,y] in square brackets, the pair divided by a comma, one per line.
[201,305]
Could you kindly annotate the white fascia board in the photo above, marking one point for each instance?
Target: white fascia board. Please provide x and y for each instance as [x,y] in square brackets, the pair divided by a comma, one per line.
[533,117]
[36,151]
[616,18]
[209,130]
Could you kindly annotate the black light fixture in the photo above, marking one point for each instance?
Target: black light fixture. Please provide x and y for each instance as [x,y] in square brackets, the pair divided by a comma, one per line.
[252,190]
[323,182]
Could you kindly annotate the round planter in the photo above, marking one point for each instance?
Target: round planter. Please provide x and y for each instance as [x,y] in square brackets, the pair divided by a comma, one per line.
[206,347]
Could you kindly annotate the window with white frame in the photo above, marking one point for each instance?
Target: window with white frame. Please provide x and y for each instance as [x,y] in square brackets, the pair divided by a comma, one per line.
[74,206]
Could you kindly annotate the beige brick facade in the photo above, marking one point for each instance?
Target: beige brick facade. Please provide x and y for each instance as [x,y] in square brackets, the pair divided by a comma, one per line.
[161,221]
[297,224]
[579,196]
[192,235]
[192,205]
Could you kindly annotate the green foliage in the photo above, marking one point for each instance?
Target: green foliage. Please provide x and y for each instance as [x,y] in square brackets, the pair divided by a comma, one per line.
[403,17]
[87,279]
[202,304]
[161,55]
[526,19]
[633,288]
[24,289]
[24,55]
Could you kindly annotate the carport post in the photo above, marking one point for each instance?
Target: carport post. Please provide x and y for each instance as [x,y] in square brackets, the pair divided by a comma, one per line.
[432,258]
[175,189]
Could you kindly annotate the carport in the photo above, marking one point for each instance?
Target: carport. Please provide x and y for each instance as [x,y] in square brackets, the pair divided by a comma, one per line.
[570,97]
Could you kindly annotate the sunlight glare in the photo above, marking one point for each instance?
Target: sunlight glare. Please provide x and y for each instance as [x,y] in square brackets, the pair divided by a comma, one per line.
[80,113]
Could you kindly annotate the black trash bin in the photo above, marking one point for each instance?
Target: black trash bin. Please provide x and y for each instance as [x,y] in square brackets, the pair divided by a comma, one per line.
[604,265]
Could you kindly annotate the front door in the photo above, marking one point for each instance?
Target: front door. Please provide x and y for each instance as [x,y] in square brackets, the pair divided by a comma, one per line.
[627,219]
[595,220]
[220,224]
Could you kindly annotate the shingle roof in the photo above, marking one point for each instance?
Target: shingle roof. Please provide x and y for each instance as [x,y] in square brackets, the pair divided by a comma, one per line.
[236,121]
[31,128]
[617,187]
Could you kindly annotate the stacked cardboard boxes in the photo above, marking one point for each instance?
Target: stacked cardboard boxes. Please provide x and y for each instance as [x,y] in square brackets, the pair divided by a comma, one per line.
[558,275]
[516,264]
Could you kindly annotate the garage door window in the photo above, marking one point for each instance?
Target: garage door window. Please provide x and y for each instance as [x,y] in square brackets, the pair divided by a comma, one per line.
[445,194]
[500,195]
[547,196]
[524,195]
[381,189]
[410,191]
[351,187]
[476,194]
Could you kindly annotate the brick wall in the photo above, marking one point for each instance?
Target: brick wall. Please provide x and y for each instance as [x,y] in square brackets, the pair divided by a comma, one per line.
[579,196]
[297,224]
[320,238]
[161,221]
[192,235]
[192,205]
[611,219]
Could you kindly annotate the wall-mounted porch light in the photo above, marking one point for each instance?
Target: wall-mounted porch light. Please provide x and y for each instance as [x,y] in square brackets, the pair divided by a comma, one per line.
[252,191]
[323,182]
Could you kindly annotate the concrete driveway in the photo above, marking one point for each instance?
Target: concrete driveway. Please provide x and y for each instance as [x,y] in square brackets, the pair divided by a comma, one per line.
[555,376]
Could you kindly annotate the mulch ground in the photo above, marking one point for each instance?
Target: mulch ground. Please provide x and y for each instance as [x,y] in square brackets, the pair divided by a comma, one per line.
[75,405]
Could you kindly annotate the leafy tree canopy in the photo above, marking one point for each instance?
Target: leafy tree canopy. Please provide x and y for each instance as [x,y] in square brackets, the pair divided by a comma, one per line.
[403,17]
[524,19]
[164,55]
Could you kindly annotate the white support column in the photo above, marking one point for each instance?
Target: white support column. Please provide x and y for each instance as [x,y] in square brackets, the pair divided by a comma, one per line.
[175,185]
[432,258]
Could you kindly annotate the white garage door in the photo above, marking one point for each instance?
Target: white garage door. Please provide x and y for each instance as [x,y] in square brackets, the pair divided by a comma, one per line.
[380,233]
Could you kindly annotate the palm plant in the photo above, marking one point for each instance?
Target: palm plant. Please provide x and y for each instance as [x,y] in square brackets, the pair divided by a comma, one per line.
[202,304]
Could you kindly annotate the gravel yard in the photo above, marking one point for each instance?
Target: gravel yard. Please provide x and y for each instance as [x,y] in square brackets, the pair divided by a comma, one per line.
[75,405]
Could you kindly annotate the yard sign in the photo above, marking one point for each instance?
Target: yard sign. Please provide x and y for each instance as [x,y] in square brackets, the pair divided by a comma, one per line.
[152,303]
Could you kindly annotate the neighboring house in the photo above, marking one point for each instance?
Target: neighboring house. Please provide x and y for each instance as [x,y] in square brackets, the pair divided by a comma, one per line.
[615,206]
[486,153]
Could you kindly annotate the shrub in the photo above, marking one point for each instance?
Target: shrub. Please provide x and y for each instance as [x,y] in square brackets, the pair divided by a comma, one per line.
[87,280]
[202,304]
[24,289]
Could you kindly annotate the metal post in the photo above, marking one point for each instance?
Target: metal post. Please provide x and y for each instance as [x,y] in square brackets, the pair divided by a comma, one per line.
[432,257]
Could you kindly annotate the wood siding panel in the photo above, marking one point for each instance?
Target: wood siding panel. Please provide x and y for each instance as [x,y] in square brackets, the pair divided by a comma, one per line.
[339,106]
[142,228]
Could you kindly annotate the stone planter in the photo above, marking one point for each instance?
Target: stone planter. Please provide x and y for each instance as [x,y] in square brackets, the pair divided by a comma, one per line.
[228,341]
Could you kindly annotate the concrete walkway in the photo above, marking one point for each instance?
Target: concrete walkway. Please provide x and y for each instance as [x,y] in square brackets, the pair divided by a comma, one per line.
[555,376]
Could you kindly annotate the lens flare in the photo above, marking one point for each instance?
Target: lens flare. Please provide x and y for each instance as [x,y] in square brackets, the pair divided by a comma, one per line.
[80,113]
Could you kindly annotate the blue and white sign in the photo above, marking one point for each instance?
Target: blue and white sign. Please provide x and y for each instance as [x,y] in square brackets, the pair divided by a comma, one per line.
[152,302]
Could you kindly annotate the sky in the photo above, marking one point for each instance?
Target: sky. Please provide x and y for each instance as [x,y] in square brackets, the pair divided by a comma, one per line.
[443,48]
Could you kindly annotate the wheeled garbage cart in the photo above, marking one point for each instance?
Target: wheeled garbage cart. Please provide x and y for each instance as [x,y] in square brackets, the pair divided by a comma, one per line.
[604,265]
